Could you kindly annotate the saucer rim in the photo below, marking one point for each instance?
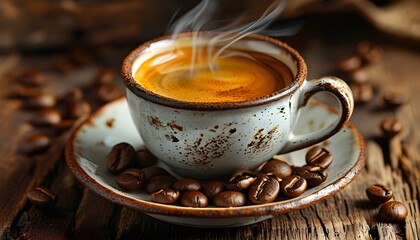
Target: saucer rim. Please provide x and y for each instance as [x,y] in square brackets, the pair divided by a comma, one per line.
[272,208]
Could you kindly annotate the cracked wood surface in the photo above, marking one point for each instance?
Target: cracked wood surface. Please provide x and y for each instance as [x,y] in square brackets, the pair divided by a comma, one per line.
[347,215]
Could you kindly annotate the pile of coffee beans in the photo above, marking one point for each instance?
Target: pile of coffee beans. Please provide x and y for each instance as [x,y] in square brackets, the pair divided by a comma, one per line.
[391,211]
[135,170]
[52,115]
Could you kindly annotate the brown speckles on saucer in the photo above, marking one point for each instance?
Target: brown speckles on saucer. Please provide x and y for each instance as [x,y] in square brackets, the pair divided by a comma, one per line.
[110,122]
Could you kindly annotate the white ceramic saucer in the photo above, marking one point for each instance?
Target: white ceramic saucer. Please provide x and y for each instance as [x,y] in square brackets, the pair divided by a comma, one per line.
[90,143]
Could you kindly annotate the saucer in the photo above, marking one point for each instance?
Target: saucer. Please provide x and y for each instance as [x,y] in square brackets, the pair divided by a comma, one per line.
[90,143]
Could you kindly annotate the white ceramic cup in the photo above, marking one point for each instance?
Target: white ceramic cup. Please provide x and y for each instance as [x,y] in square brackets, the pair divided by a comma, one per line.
[209,140]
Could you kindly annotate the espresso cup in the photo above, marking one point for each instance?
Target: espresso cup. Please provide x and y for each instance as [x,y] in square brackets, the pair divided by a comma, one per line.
[211,137]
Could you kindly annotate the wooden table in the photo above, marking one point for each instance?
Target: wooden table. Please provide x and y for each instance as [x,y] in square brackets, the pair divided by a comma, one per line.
[80,214]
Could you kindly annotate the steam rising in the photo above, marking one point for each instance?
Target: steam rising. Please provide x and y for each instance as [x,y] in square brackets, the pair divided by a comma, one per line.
[227,31]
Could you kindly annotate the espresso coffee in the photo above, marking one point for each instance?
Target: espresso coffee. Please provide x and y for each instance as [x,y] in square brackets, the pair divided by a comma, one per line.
[235,76]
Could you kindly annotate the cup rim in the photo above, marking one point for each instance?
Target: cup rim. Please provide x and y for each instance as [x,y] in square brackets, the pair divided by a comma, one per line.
[132,85]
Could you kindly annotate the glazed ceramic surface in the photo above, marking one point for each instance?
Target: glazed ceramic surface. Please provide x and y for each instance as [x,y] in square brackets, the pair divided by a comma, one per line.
[205,140]
[90,143]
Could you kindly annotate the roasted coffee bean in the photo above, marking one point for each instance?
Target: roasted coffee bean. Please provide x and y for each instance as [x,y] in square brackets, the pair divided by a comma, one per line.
[104,76]
[278,167]
[369,52]
[194,199]
[107,93]
[32,78]
[379,193]
[186,184]
[65,65]
[293,186]
[211,188]
[144,158]
[394,99]
[120,157]
[319,156]
[393,211]
[64,125]
[229,199]
[42,197]
[362,93]
[165,195]
[78,109]
[43,100]
[46,117]
[362,77]
[153,171]
[314,175]
[75,95]
[23,91]
[391,126]
[158,182]
[131,179]
[264,189]
[34,143]
[349,63]
[241,180]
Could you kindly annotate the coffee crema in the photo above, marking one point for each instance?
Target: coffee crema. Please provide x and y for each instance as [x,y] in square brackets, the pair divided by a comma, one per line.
[236,76]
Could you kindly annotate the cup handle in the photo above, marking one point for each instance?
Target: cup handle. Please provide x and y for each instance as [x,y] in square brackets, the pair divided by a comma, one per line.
[341,91]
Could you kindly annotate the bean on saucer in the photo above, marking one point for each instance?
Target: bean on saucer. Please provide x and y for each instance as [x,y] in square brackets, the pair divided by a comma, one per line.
[194,199]
[158,182]
[211,188]
[264,189]
[144,158]
[186,184]
[278,167]
[229,199]
[165,195]
[241,180]
[314,175]
[131,179]
[318,156]
[293,186]
[120,157]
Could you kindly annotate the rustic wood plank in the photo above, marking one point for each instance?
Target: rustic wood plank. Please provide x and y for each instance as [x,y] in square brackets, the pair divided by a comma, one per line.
[93,217]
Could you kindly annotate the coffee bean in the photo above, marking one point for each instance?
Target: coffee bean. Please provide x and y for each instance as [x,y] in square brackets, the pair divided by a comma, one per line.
[394,99]
[43,100]
[65,65]
[32,78]
[78,109]
[75,95]
[393,211]
[186,184]
[107,93]
[211,188]
[194,199]
[64,125]
[104,76]
[264,189]
[158,182]
[42,197]
[314,175]
[34,143]
[391,126]
[229,199]
[131,179]
[362,93]
[349,63]
[153,171]
[379,193]
[23,91]
[278,167]
[293,186]
[46,117]
[362,77]
[319,156]
[369,52]
[120,157]
[144,158]
[165,195]
[241,180]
